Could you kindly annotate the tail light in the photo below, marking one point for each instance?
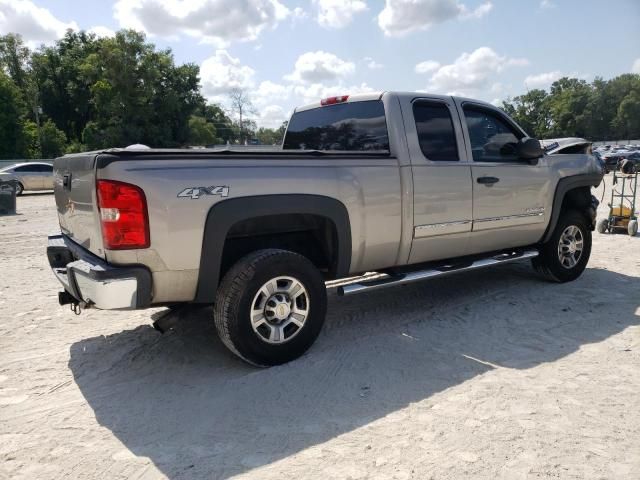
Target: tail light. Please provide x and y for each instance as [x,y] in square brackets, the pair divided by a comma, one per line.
[334,100]
[123,215]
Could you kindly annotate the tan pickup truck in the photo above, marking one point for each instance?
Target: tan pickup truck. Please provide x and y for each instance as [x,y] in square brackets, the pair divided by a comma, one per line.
[409,185]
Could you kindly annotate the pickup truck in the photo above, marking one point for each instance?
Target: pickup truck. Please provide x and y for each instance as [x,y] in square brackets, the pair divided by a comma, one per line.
[408,185]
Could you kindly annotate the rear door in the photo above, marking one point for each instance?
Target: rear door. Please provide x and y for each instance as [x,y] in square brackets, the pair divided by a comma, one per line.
[46,175]
[442,190]
[509,194]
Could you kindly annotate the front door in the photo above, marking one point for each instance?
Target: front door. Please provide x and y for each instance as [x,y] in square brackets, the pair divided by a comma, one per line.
[510,195]
[442,190]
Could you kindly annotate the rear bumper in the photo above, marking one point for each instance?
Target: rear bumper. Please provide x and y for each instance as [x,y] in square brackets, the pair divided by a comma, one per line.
[94,282]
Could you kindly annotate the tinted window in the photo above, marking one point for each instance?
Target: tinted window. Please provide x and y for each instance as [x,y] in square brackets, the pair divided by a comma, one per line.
[493,138]
[346,126]
[26,168]
[436,135]
[45,168]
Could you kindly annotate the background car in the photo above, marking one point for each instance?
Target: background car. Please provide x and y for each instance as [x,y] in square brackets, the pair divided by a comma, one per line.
[30,176]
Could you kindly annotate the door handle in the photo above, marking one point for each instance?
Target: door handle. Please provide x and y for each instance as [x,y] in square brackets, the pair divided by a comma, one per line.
[488,180]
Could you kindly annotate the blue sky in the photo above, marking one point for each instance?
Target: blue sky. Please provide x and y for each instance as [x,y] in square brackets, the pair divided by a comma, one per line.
[293,52]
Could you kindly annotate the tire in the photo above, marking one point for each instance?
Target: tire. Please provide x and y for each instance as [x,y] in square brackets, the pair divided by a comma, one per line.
[571,226]
[19,189]
[274,333]
[603,225]
[632,228]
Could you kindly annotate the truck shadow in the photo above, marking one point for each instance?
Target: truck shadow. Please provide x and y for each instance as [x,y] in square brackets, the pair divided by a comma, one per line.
[185,403]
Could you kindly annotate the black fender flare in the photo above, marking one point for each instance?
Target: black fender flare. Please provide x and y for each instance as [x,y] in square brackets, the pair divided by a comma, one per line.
[223,215]
[565,185]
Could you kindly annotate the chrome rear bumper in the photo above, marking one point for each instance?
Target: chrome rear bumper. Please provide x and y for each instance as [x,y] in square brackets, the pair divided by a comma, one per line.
[94,282]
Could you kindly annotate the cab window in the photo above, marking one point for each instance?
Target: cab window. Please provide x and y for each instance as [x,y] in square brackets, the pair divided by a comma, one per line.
[436,135]
[493,138]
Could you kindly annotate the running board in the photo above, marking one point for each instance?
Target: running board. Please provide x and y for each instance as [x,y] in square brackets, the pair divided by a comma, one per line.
[410,277]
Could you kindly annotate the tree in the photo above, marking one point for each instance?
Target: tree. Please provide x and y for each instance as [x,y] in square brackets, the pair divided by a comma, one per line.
[11,119]
[532,112]
[201,132]
[14,59]
[241,105]
[53,140]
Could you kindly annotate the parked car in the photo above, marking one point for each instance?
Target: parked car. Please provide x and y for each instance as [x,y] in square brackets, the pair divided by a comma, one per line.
[410,185]
[30,176]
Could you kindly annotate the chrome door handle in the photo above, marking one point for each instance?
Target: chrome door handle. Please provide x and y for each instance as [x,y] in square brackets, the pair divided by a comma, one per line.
[488,180]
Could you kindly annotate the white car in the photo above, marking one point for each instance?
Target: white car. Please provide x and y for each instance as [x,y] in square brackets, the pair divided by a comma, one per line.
[30,176]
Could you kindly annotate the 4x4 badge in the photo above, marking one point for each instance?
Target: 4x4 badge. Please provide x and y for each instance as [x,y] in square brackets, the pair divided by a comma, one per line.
[195,192]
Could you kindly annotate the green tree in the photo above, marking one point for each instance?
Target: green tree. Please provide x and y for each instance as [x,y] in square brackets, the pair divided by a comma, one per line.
[11,119]
[201,132]
[627,119]
[52,140]
[532,112]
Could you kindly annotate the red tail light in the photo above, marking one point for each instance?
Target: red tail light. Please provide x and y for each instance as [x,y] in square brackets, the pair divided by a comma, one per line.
[123,215]
[334,100]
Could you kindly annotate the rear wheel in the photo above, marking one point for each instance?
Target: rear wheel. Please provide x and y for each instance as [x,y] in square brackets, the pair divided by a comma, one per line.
[19,189]
[564,257]
[270,307]
[632,228]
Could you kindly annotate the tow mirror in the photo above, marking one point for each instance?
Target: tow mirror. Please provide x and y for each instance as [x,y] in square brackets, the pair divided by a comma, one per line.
[529,149]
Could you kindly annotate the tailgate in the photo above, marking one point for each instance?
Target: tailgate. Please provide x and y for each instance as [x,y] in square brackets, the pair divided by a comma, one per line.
[75,193]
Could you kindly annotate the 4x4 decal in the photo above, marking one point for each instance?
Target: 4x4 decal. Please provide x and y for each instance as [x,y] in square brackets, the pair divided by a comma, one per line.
[195,192]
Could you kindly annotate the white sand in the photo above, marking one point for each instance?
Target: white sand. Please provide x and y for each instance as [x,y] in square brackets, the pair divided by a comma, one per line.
[493,374]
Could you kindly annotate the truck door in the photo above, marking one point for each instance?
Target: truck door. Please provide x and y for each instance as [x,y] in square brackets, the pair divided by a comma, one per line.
[442,192]
[510,195]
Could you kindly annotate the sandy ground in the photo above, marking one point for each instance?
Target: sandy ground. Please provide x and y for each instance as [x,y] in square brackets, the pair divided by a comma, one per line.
[493,374]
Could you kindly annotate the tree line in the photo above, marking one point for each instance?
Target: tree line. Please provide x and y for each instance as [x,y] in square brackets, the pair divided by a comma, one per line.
[86,92]
[600,110]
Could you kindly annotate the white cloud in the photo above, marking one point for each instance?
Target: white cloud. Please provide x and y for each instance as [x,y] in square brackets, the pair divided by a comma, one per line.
[319,66]
[471,72]
[427,66]
[211,21]
[269,92]
[101,31]
[272,116]
[400,17]
[35,24]
[542,80]
[547,4]
[338,13]
[372,64]
[221,73]
[635,68]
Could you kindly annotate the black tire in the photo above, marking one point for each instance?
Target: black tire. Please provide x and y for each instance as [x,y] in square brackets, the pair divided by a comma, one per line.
[19,189]
[236,295]
[603,225]
[548,263]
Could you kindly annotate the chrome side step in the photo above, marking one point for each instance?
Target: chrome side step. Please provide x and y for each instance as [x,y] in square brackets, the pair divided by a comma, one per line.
[410,277]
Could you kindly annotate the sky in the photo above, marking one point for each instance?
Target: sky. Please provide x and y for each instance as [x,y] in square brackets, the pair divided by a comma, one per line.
[293,52]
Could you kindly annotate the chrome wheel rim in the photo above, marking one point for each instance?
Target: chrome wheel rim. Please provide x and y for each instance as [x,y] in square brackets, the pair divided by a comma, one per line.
[570,246]
[18,189]
[279,310]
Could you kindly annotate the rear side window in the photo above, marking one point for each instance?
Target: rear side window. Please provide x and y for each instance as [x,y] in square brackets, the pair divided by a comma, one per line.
[346,126]
[436,134]
[26,168]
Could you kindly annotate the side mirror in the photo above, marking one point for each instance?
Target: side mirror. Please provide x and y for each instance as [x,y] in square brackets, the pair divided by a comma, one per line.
[529,148]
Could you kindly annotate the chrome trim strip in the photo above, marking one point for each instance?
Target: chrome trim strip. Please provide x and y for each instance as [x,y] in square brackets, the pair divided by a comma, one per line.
[509,217]
[433,229]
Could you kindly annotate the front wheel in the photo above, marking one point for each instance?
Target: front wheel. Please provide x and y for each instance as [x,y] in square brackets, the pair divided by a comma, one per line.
[564,257]
[270,307]
[632,228]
